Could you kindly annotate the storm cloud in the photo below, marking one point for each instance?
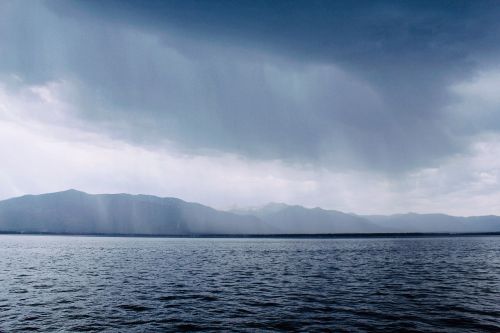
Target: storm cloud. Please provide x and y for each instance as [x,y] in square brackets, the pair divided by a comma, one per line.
[381,87]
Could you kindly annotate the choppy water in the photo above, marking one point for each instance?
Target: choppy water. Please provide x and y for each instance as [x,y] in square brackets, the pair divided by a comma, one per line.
[55,283]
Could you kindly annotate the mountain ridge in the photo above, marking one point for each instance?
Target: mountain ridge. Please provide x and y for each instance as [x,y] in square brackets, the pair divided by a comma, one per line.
[74,211]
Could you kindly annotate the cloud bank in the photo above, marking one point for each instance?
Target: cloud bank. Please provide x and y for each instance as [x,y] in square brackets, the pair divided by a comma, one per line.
[386,104]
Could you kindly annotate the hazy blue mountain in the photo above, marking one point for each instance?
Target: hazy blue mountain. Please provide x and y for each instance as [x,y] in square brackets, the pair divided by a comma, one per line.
[413,222]
[301,220]
[78,212]
[81,213]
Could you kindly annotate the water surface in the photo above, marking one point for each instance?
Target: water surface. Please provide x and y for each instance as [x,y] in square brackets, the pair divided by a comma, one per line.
[108,284]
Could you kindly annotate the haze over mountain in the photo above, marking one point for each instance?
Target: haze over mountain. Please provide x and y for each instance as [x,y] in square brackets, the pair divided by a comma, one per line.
[81,213]
[413,222]
[301,220]
[78,212]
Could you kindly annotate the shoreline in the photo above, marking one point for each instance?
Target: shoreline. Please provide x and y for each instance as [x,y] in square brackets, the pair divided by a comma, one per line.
[263,236]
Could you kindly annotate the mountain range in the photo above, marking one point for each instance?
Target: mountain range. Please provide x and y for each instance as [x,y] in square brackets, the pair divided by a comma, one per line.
[76,212]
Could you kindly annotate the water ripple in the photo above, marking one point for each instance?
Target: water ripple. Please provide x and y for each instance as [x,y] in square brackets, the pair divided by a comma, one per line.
[98,284]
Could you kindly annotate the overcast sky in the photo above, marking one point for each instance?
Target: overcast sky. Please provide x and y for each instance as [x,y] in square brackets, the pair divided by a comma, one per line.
[359,106]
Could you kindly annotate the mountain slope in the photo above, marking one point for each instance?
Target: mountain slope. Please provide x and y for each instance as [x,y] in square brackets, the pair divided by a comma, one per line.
[78,212]
[412,222]
[301,220]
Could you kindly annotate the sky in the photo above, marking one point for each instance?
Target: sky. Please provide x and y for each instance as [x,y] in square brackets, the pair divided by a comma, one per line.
[372,107]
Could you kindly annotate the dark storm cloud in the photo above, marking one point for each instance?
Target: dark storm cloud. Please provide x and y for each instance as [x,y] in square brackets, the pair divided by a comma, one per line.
[339,83]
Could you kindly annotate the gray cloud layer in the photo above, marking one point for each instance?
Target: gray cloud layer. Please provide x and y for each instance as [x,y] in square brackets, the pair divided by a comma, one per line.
[337,84]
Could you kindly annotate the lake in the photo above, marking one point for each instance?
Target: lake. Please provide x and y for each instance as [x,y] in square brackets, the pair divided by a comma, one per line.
[108,284]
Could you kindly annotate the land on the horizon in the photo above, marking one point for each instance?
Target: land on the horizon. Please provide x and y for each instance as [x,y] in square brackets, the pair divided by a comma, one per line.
[76,212]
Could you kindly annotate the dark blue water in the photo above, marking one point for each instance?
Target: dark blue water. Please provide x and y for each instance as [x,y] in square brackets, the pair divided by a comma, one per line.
[55,283]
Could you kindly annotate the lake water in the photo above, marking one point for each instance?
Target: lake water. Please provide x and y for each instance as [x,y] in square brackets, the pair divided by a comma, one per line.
[59,284]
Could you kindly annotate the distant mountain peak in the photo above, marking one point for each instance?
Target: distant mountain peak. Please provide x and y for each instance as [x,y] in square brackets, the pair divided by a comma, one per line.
[72,190]
[274,206]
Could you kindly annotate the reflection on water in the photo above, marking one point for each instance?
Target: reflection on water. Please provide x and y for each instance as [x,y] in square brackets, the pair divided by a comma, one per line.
[56,283]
